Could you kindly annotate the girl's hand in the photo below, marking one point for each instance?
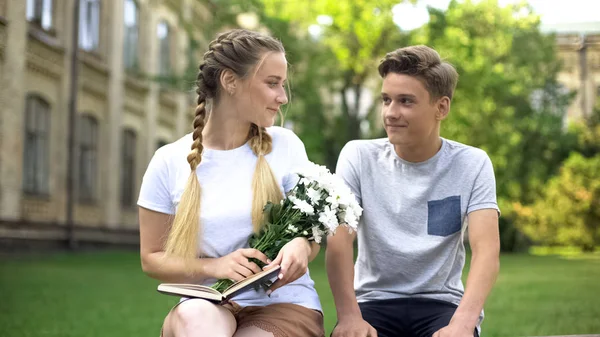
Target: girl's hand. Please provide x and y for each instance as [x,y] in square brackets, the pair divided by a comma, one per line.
[235,265]
[293,258]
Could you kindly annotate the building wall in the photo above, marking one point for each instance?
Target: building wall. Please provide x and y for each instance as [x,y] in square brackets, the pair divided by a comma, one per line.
[37,61]
[576,62]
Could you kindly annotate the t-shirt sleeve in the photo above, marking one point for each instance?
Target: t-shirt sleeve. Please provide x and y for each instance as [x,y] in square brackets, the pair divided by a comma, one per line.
[483,195]
[155,192]
[348,168]
[298,160]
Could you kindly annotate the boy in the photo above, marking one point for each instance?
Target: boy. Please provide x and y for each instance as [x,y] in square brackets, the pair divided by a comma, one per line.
[416,189]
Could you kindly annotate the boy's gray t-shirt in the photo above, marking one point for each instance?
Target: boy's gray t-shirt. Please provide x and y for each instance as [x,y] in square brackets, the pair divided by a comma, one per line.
[410,238]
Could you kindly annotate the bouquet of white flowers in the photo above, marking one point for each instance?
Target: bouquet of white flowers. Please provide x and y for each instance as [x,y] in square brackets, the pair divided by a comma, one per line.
[315,208]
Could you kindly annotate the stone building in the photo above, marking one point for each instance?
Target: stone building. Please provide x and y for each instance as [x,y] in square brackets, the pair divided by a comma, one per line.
[579,48]
[122,116]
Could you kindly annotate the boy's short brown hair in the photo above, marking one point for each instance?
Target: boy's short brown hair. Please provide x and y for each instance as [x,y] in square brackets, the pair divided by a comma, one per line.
[424,63]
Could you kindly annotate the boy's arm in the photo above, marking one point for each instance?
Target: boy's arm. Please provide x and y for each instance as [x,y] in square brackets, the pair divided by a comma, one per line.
[484,239]
[339,259]
[339,256]
[340,271]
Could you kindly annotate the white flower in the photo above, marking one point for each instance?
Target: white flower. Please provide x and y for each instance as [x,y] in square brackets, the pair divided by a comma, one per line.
[329,219]
[314,195]
[339,206]
[302,205]
[292,229]
[317,234]
[350,215]
[304,181]
[356,208]
[332,201]
[313,171]
[351,220]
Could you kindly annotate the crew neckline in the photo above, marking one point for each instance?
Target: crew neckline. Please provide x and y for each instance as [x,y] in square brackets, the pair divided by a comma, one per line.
[425,162]
[214,153]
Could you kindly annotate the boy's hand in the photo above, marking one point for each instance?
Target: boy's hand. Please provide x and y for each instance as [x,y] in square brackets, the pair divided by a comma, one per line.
[454,330]
[354,327]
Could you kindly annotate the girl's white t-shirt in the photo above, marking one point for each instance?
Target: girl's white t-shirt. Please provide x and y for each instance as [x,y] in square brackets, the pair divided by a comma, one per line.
[226,178]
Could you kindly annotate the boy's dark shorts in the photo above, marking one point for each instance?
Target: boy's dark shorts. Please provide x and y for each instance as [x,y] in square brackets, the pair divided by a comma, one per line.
[408,317]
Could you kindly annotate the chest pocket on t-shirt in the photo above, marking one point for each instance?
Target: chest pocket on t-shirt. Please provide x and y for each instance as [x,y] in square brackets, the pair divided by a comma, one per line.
[443,216]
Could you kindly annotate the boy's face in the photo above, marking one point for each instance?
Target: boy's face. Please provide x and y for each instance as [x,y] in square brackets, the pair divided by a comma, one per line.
[409,116]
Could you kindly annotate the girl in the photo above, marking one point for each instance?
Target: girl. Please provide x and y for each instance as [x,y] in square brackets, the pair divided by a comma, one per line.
[238,162]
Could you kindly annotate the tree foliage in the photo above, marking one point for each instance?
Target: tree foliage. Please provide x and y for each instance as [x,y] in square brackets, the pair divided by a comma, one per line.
[568,211]
[508,101]
[354,35]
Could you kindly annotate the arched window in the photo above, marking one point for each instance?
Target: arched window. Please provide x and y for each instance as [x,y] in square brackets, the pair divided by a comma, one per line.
[130,42]
[160,143]
[40,12]
[88,157]
[89,24]
[128,154]
[163,33]
[36,149]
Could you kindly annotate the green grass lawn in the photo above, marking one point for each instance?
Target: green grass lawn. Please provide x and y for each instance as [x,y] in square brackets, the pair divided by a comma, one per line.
[106,294]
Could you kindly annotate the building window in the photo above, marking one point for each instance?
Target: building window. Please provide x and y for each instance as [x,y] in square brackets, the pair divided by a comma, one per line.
[164,45]
[130,43]
[128,150]
[160,143]
[88,157]
[40,12]
[35,156]
[89,24]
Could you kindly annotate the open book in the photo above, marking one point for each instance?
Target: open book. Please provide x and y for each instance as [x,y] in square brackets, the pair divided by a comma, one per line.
[210,294]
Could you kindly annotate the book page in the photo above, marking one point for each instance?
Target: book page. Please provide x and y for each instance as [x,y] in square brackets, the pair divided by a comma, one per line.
[242,285]
[190,290]
[191,286]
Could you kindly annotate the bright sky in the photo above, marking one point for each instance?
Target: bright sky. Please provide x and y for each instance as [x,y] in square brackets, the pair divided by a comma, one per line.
[409,16]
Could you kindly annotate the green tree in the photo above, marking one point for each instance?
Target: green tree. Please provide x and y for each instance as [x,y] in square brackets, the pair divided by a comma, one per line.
[356,35]
[568,210]
[568,213]
[588,133]
[311,67]
[508,101]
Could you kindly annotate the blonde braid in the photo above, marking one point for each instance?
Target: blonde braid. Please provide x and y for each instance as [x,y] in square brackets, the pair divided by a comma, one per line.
[264,185]
[183,236]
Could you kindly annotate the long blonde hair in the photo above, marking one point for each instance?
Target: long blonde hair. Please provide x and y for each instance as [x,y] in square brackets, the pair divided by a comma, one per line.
[240,51]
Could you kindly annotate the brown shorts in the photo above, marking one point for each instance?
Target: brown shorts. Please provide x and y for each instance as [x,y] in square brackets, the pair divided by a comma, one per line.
[281,319]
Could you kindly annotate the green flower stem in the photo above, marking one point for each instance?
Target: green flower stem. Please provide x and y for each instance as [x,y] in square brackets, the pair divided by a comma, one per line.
[271,240]
[222,285]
